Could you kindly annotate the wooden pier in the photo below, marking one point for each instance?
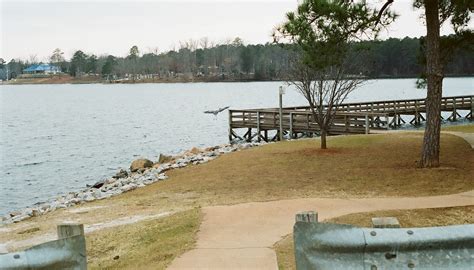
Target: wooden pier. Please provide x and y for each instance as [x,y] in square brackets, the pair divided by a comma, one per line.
[351,118]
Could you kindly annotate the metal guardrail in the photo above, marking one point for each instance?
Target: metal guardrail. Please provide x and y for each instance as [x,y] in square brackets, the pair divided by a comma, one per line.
[68,252]
[335,246]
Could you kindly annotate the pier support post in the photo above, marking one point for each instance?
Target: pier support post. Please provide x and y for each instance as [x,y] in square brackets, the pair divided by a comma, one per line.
[230,126]
[258,126]
[471,115]
[454,110]
[366,124]
[291,125]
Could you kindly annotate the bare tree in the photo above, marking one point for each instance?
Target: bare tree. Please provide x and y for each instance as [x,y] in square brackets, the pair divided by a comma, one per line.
[32,59]
[324,90]
[204,42]
[57,57]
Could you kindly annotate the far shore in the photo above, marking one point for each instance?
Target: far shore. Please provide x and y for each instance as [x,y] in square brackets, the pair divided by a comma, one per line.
[66,79]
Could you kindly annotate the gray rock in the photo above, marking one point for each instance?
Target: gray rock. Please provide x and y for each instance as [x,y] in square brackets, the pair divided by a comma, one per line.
[121,174]
[15,213]
[128,187]
[35,213]
[98,184]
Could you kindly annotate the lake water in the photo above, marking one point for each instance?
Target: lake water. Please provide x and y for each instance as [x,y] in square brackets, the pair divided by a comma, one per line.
[58,138]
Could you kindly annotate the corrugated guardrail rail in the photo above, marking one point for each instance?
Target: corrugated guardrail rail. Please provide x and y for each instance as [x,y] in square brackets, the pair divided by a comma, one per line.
[335,246]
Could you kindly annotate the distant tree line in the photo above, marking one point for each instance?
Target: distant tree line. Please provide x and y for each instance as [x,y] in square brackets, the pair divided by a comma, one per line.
[233,60]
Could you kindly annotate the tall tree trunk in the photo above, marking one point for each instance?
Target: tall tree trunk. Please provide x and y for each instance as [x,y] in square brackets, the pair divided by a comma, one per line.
[323,138]
[431,140]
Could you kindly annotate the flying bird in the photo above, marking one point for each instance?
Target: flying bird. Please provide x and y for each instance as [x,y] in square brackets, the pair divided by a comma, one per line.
[216,112]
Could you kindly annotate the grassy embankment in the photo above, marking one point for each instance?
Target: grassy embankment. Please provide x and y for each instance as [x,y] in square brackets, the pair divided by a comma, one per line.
[146,245]
[56,79]
[385,163]
[408,219]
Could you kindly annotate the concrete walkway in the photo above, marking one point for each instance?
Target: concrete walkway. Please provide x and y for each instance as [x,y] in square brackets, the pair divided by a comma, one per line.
[241,236]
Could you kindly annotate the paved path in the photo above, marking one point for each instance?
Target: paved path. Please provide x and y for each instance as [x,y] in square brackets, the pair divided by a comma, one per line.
[241,236]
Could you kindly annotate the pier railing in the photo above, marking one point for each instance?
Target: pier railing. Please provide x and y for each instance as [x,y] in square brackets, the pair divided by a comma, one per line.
[295,121]
[409,106]
[351,118]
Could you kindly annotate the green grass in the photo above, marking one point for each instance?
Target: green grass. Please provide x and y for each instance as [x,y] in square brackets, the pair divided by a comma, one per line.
[144,245]
[469,128]
[407,218]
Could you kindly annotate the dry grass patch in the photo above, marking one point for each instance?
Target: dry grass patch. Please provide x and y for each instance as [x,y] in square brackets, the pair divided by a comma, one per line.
[144,245]
[408,219]
[469,128]
[353,166]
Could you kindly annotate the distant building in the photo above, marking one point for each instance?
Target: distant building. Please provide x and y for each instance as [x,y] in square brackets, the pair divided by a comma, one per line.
[42,69]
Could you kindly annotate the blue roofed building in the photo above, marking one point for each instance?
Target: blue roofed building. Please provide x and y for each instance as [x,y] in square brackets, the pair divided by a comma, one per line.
[42,69]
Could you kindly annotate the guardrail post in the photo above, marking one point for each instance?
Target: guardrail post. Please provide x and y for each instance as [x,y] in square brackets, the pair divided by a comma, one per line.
[69,230]
[385,222]
[307,216]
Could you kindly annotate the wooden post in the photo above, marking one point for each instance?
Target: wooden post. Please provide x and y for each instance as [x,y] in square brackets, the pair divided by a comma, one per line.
[258,126]
[280,111]
[69,230]
[291,125]
[472,108]
[307,216]
[417,119]
[346,123]
[366,124]
[454,109]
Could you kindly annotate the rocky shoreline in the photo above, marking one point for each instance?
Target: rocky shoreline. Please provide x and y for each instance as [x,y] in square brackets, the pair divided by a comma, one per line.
[142,173]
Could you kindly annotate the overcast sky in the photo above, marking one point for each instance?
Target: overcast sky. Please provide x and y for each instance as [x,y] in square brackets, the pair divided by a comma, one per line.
[37,27]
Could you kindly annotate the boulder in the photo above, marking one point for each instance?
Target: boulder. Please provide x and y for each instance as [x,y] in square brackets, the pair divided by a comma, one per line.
[164,158]
[140,164]
[212,148]
[195,150]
